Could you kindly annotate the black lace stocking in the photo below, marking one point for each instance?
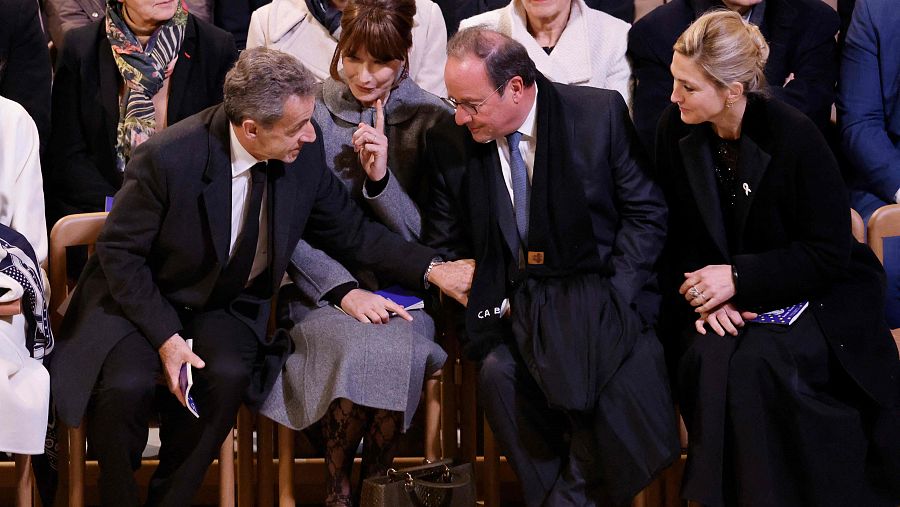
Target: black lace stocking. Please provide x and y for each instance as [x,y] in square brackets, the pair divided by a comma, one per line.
[342,428]
[381,442]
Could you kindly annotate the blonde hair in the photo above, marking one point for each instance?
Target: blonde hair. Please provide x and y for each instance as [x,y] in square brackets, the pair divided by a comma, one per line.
[727,48]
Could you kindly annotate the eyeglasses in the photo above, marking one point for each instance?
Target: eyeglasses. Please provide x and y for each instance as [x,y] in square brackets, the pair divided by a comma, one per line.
[471,109]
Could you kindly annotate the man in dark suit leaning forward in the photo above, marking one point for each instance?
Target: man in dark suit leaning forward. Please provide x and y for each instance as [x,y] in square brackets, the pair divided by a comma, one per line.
[197,242]
[549,195]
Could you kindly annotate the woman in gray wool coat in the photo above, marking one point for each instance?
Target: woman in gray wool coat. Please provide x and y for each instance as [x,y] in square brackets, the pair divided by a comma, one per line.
[356,368]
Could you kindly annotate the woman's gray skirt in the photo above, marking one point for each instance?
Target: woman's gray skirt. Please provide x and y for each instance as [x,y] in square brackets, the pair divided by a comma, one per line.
[373,365]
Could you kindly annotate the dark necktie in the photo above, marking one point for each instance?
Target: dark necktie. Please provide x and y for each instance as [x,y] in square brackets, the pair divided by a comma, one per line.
[520,185]
[234,276]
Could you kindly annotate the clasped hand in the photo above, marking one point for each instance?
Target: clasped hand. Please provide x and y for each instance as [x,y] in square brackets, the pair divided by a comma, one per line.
[710,290]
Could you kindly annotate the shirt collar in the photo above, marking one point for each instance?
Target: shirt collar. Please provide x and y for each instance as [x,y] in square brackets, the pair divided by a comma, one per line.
[241,159]
[528,126]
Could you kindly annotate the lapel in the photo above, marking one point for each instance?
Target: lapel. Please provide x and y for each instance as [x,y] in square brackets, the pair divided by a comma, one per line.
[181,75]
[217,192]
[283,196]
[698,165]
[752,167]
[109,87]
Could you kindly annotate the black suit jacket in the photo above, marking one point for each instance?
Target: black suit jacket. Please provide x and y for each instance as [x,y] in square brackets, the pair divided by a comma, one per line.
[469,199]
[791,240]
[800,34]
[25,62]
[166,241]
[82,159]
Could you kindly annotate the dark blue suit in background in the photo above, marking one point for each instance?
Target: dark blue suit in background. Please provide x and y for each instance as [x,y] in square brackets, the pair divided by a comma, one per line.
[868,105]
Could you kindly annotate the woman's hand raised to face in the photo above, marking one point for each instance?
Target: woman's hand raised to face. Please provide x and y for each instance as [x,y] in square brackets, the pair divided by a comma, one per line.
[708,287]
[372,145]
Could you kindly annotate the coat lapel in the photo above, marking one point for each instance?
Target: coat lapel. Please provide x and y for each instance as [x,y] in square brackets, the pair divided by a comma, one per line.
[283,193]
[109,89]
[217,192]
[698,164]
[752,167]
[181,75]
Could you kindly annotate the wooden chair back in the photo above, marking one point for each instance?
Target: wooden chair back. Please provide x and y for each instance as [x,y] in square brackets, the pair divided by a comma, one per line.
[857,226]
[885,223]
[70,231]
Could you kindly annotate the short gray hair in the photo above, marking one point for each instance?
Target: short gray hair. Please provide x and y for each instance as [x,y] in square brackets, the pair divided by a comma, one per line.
[260,82]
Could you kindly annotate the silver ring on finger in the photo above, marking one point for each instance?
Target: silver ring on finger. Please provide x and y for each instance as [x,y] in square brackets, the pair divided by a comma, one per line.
[694,292]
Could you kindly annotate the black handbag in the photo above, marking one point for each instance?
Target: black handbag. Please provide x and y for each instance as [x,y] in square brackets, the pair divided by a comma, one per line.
[436,484]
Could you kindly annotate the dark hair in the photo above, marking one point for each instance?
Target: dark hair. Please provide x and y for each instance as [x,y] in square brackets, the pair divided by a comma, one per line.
[259,84]
[382,27]
[503,56]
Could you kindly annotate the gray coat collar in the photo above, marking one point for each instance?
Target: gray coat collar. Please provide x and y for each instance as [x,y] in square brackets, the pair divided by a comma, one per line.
[401,105]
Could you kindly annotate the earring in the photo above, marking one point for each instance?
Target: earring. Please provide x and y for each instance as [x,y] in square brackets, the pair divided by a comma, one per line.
[728,103]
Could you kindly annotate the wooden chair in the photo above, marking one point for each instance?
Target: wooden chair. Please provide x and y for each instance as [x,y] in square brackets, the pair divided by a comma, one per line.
[83,230]
[885,223]
[857,226]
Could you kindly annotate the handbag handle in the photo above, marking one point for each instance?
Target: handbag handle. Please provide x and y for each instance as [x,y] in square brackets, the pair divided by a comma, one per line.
[426,493]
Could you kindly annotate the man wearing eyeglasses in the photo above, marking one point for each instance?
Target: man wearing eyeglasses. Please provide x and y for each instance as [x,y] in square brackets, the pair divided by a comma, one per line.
[549,196]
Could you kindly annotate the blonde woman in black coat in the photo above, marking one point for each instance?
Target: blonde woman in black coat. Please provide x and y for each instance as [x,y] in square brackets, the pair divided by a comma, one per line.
[779,415]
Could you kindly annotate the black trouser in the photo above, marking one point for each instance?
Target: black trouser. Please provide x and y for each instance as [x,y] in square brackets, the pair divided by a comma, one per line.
[542,445]
[122,406]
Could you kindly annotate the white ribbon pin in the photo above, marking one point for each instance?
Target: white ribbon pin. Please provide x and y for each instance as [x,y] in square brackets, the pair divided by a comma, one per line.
[747,189]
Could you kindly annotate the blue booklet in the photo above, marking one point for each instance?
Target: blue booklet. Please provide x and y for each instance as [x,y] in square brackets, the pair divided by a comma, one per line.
[783,316]
[407,299]
[186,380]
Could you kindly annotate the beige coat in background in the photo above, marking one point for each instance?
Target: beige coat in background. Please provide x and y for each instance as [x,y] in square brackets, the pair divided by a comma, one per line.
[590,51]
[289,26]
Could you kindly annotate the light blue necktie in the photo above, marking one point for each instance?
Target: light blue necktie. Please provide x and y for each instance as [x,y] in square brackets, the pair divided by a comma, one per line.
[520,187]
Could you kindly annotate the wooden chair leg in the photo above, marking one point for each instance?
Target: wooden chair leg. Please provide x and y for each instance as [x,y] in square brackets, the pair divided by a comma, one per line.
[226,471]
[24,481]
[76,466]
[286,467]
[245,458]
[468,413]
[265,461]
[491,468]
[433,450]
[449,408]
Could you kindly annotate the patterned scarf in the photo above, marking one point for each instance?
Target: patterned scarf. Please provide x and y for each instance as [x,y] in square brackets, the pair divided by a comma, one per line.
[144,70]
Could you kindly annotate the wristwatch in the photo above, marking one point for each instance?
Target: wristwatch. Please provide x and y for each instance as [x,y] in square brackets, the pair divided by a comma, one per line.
[434,262]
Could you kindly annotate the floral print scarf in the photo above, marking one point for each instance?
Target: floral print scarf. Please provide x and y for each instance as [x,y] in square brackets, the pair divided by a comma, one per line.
[143,69]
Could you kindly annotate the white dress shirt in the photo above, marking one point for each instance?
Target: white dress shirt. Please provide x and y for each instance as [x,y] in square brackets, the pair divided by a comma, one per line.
[527,147]
[241,162]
